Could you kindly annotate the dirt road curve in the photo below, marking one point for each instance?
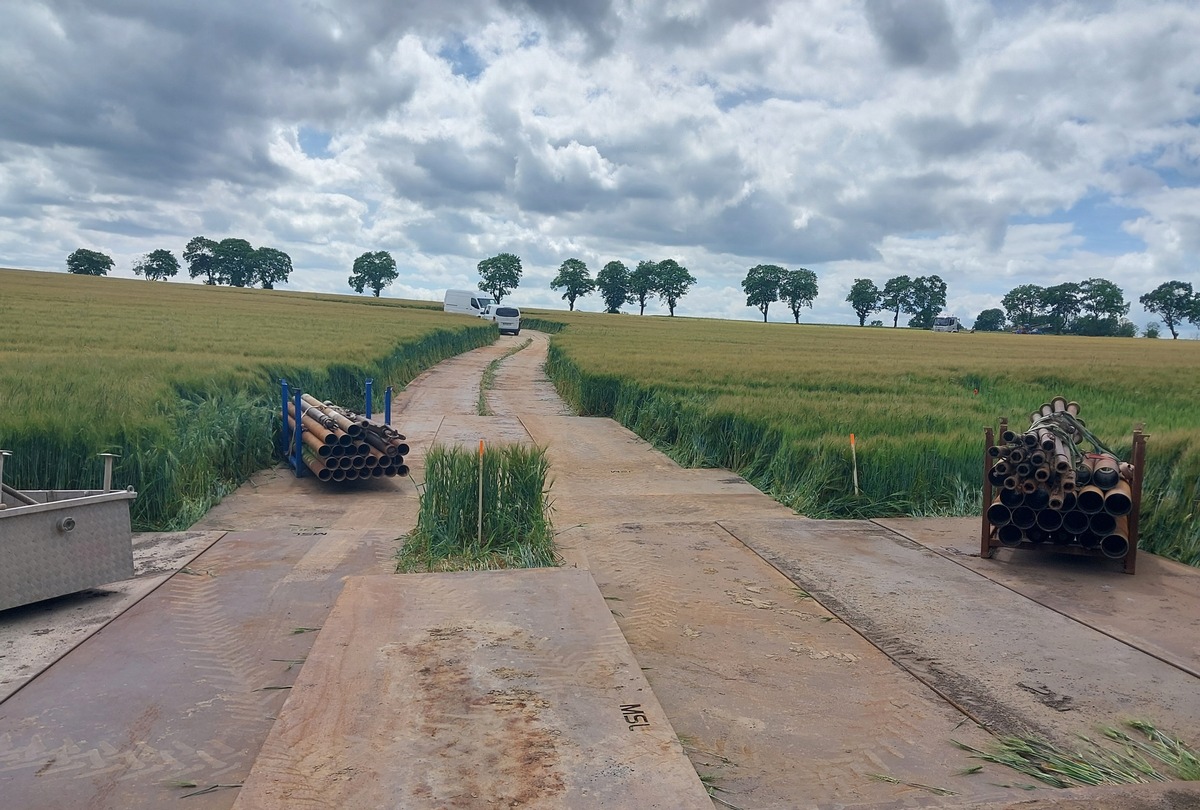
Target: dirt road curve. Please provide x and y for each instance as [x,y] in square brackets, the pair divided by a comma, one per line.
[798,661]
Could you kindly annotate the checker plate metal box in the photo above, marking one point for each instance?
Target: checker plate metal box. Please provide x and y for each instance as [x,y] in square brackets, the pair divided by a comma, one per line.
[69,541]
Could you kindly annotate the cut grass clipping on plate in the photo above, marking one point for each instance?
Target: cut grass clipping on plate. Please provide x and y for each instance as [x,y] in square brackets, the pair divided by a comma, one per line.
[1149,755]
[516,530]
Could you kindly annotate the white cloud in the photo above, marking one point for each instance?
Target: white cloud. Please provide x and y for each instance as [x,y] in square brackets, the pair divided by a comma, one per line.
[856,140]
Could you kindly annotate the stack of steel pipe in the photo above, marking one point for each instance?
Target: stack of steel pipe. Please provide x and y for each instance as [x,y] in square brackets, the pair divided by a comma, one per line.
[1052,492]
[340,445]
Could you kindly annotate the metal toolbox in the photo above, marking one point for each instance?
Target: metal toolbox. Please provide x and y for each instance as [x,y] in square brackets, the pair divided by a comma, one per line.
[68,541]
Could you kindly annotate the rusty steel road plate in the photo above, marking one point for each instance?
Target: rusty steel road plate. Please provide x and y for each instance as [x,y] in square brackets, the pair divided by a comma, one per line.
[486,689]
[183,687]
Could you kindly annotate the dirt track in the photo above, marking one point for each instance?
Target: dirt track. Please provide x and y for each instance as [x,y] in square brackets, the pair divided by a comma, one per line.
[723,596]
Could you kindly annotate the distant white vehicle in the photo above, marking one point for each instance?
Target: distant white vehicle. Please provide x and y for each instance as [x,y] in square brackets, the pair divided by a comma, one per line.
[507,318]
[947,323]
[466,302]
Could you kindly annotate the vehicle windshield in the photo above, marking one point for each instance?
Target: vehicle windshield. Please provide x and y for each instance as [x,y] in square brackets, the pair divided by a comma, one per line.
[943,320]
[508,312]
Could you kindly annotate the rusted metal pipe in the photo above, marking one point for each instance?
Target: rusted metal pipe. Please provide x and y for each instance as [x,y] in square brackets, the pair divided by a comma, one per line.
[1023,517]
[1102,523]
[1115,544]
[1049,520]
[312,426]
[1011,498]
[1090,499]
[312,442]
[344,422]
[1009,535]
[1105,473]
[1075,522]
[1118,501]
[998,514]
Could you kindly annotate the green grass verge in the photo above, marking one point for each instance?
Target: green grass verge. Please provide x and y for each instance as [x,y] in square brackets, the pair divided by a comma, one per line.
[516,529]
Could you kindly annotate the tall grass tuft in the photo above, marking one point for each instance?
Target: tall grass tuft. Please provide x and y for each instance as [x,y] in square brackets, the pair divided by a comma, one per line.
[516,529]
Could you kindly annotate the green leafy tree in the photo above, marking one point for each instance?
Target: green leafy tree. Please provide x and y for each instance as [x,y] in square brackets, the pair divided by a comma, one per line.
[1173,302]
[863,298]
[84,262]
[613,282]
[271,267]
[1103,304]
[672,281]
[761,285]
[643,282]
[1100,298]
[573,277]
[895,296]
[1061,304]
[926,298]
[1024,304]
[201,257]
[798,289]
[1125,328]
[235,262]
[375,270]
[157,265]
[1151,330]
[990,320]
[500,275]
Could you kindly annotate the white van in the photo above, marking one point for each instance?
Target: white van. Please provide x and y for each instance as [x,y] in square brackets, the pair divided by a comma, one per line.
[947,323]
[466,302]
[507,318]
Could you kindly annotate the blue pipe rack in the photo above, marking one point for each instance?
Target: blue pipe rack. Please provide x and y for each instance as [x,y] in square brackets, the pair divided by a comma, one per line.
[291,443]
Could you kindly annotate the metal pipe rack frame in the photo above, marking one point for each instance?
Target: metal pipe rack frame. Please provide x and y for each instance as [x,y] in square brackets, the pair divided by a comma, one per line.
[988,536]
[291,445]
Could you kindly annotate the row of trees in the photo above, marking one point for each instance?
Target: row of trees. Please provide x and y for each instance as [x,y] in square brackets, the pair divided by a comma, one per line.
[1092,307]
[765,284]
[618,285]
[236,262]
[1095,306]
[157,265]
[922,297]
[231,261]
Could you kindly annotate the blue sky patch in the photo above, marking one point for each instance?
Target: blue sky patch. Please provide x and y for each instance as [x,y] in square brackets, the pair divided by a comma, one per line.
[314,142]
[1098,220]
[463,60]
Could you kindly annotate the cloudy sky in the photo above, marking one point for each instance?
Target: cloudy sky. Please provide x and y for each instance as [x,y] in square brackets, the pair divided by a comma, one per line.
[992,143]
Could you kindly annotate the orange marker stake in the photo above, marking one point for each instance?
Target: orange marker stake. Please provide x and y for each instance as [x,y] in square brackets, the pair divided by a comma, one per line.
[854,458]
[479,526]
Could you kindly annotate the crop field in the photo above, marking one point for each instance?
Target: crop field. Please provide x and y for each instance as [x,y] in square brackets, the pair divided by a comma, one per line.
[182,380]
[777,403]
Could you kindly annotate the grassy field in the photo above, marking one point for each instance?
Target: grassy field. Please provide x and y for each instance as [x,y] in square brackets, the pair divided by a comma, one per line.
[778,402]
[182,380]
